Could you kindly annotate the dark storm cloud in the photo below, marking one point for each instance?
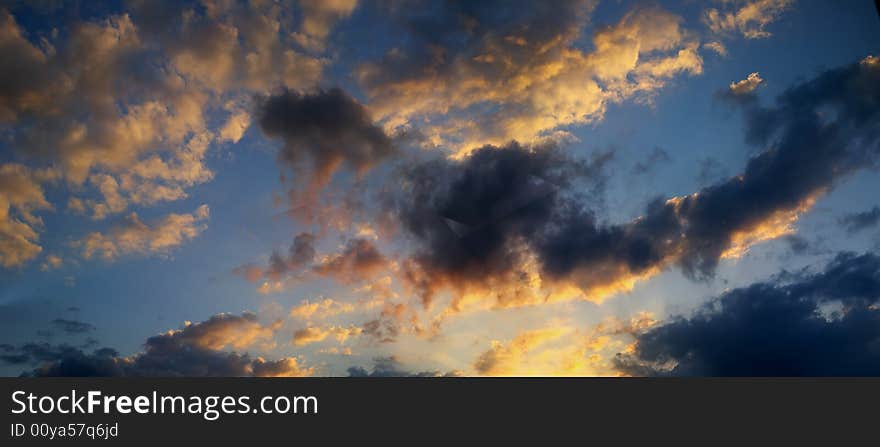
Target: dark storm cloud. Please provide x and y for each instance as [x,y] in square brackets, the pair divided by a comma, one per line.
[72,326]
[472,217]
[327,128]
[826,324]
[195,350]
[392,367]
[860,221]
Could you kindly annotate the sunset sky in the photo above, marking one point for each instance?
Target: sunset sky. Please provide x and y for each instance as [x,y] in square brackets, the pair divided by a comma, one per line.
[353,187]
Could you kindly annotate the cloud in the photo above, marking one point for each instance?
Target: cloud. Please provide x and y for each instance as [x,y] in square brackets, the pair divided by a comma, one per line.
[219,332]
[300,255]
[508,359]
[503,227]
[806,156]
[325,129]
[195,350]
[21,195]
[717,47]
[856,222]
[747,85]
[657,156]
[747,17]
[318,17]
[359,261]
[161,117]
[320,309]
[173,81]
[132,236]
[824,324]
[72,326]
[523,62]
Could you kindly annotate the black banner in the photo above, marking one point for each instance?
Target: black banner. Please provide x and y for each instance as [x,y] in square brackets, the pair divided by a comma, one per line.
[413,411]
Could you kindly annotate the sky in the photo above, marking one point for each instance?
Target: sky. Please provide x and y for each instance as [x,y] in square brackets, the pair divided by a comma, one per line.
[394,188]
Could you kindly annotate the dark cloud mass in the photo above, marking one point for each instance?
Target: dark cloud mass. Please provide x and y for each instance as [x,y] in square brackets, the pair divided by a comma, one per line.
[327,128]
[360,260]
[195,350]
[827,324]
[860,221]
[473,217]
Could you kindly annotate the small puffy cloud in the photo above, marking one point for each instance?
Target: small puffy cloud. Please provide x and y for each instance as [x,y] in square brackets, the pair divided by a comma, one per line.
[132,236]
[746,17]
[747,85]
[171,83]
[656,157]
[286,367]
[51,262]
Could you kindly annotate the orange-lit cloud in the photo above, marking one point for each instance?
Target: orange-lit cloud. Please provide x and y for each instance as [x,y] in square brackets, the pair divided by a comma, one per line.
[315,334]
[535,77]
[747,17]
[21,195]
[560,350]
